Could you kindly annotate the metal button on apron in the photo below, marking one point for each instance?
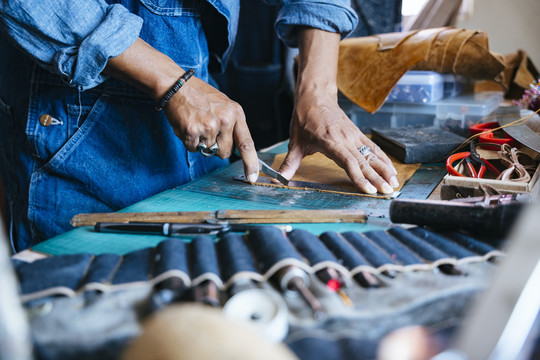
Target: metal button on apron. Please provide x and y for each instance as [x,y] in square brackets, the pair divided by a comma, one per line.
[45,119]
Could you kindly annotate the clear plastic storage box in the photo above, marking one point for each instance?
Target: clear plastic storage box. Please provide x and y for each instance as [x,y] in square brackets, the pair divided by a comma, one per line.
[418,87]
[455,114]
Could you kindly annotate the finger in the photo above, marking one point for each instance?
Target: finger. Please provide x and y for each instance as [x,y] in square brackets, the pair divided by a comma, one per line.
[382,168]
[191,143]
[362,174]
[246,148]
[291,163]
[380,154]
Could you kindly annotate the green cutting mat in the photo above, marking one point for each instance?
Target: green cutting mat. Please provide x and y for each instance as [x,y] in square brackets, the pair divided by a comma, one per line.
[218,190]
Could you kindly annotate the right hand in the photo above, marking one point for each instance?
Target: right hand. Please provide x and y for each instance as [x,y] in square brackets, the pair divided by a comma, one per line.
[200,113]
[197,112]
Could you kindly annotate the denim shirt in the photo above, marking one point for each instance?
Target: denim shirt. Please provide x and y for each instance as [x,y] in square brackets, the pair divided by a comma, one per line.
[104,147]
[75,39]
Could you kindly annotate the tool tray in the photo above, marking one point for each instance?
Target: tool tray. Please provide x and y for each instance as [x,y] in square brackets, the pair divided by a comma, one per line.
[423,278]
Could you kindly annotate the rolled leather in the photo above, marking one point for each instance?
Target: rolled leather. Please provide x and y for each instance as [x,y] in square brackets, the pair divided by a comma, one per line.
[369,67]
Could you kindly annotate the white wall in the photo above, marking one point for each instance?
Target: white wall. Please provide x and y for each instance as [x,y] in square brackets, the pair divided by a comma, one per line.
[510,25]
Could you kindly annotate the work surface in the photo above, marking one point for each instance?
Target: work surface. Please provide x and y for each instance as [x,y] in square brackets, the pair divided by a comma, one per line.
[219,190]
[394,283]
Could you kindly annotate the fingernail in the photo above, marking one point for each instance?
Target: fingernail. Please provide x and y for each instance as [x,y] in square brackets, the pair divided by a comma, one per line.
[394,182]
[387,189]
[253,177]
[370,189]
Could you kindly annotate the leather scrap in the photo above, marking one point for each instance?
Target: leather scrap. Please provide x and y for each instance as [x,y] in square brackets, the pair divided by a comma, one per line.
[369,67]
[320,169]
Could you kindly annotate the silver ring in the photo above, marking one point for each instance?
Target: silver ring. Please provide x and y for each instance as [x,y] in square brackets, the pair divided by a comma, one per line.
[365,150]
[208,151]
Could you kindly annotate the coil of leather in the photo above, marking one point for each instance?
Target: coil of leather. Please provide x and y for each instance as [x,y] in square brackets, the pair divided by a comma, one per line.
[369,67]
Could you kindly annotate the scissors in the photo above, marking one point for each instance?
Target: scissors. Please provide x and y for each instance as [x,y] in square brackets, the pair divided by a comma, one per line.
[472,159]
[491,137]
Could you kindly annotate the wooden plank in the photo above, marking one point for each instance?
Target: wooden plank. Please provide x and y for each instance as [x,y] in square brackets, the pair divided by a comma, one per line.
[232,216]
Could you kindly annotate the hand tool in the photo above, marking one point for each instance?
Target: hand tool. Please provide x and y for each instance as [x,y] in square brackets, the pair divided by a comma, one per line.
[166,229]
[472,158]
[294,281]
[483,216]
[335,282]
[266,169]
[169,291]
[207,293]
[226,217]
[490,137]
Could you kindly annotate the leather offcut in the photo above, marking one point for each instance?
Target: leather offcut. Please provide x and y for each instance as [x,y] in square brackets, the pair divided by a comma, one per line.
[369,67]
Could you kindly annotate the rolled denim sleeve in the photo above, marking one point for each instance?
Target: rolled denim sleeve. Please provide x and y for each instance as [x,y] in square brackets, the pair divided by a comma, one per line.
[73,39]
[334,16]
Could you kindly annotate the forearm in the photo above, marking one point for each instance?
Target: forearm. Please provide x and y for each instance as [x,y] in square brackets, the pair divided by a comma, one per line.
[317,65]
[145,68]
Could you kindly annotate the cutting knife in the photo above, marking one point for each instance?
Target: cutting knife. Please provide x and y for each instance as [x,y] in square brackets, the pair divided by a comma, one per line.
[266,169]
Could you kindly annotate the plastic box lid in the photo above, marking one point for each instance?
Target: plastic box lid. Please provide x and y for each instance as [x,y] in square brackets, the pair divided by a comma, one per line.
[455,114]
[469,104]
[418,87]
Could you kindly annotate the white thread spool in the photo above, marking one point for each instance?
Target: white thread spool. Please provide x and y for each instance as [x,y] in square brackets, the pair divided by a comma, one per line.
[263,309]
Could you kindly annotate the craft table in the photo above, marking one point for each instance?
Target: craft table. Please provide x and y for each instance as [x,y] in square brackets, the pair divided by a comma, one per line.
[218,190]
[415,290]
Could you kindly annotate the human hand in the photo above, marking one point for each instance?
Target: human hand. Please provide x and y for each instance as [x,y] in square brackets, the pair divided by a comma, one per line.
[199,113]
[319,125]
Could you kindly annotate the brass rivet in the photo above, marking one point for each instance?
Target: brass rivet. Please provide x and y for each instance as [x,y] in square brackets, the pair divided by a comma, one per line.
[45,119]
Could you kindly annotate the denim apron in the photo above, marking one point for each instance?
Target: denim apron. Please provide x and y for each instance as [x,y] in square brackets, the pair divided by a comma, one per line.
[102,149]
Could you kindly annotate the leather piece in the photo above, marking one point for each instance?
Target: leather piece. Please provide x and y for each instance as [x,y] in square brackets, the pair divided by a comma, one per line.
[369,67]
[320,169]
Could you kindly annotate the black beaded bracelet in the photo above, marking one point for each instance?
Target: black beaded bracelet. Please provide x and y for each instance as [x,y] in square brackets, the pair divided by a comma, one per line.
[177,85]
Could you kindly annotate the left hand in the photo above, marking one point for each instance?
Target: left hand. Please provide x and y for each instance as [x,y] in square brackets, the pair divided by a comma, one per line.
[319,125]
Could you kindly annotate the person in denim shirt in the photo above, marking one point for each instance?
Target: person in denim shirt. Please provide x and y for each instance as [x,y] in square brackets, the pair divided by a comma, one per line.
[79,82]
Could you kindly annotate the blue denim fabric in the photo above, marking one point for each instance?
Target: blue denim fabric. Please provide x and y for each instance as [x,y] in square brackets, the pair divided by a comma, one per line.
[451,248]
[171,255]
[401,253]
[106,148]
[202,257]
[269,245]
[64,271]
[309,245]
[343,250]
[135,266]
[75,39]
[373,254]
[423,248]
[102,269]
[234,256]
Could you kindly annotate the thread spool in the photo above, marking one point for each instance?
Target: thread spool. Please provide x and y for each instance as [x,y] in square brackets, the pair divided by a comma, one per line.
[261,308]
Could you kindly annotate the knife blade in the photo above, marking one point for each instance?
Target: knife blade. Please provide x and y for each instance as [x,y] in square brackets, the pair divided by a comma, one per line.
[266,169]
